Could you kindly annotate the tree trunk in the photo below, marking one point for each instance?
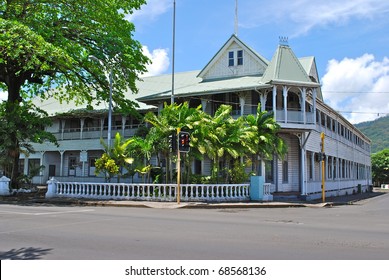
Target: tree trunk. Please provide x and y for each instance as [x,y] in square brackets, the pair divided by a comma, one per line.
[11,109]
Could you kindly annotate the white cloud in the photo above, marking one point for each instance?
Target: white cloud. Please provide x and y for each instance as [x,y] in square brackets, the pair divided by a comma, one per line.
[359,85]
[3,95]
[151,10]
[301,16]
[159,61]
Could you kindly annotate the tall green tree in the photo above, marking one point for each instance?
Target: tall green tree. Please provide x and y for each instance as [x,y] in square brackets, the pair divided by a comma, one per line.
[45,47]
[27,122]
[380,167]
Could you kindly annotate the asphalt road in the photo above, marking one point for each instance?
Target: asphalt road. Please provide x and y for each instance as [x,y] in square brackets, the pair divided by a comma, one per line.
[351,232]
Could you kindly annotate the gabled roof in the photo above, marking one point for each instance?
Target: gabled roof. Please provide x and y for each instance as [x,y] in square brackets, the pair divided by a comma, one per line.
[284,67]
[217,67]
[309,64]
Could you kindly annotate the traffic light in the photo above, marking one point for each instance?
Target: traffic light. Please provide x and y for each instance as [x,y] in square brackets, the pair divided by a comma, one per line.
[173,142]
[183,141]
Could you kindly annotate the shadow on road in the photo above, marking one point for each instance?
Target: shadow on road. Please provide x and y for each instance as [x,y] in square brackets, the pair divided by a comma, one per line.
[24,254]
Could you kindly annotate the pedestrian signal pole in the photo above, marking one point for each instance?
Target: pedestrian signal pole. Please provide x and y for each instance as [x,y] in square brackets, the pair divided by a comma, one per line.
[178,168]
[182,147]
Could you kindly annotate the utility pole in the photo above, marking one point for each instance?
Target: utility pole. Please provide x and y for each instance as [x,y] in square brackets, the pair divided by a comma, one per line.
[178,169]
[173,50]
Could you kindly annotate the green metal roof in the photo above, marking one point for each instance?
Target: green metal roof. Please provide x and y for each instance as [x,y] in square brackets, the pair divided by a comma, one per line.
[208,87]
[285,66]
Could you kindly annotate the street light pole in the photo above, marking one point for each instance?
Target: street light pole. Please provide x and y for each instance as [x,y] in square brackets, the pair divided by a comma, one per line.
[173,51]
[110,81]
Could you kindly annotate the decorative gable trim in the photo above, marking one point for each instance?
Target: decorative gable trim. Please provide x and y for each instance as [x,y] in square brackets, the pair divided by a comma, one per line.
[234,59]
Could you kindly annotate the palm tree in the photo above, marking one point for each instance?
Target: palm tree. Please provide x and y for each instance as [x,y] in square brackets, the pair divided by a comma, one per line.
[171,118]
[118,154]
[218,138]
[142,150]
[268,142]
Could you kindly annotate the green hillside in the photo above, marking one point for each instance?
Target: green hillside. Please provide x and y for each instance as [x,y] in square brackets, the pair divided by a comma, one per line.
[377,131]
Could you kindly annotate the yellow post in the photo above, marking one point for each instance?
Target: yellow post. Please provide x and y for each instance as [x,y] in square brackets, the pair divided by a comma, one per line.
[323,190]
[178,168]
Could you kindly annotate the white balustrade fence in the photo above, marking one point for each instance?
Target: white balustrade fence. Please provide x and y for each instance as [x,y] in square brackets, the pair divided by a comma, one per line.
[148,192]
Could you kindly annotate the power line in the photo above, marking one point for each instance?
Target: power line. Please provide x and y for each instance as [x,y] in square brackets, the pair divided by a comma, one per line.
[348,92]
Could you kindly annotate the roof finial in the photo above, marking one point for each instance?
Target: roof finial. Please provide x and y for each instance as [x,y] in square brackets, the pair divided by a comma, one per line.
[283,40]
[236,18]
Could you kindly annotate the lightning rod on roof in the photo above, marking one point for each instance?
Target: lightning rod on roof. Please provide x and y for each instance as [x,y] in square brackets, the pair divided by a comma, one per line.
[283,40]
[236,18]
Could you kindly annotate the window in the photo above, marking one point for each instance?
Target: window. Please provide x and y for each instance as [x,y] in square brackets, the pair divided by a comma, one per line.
[72,166]
[235,104]
[240,57]
[34,167]
[231,59]
[92,166]
[285,177]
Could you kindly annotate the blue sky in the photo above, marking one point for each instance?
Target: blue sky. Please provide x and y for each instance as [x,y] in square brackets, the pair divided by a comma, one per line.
[349,39]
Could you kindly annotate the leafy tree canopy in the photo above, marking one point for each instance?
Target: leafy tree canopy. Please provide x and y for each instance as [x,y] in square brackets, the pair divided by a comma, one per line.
[46,44]
[380,166]
[45,50]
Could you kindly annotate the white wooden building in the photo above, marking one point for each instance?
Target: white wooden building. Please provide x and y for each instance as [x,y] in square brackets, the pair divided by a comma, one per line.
[237,75]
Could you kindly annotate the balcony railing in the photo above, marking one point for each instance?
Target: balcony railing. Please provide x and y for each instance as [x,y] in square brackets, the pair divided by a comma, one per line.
[294,117]
[94,132]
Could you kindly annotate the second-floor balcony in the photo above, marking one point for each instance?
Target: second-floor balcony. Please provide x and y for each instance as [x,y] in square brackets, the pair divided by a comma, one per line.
[94,132]
[294,116]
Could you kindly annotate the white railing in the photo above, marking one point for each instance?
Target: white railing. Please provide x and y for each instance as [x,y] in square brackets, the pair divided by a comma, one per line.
[267,189]
[148,192]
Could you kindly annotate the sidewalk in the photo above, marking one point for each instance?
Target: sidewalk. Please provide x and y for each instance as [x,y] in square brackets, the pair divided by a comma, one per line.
[330,202]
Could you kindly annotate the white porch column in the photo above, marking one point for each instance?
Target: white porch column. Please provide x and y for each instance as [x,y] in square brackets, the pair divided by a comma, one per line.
[263,169]
[285,95]
[262,99]
[82,123]
[242,102]
[25,169]
[303,170]
[101,127]
[204,103]
[275,102]
[61,164]
[124,120]
[314,94]
[303,100]
[63,122]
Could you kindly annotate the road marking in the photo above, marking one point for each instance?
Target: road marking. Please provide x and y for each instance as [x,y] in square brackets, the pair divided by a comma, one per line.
[46,213]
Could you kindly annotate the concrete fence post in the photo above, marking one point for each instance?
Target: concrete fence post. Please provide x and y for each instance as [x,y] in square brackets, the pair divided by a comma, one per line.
[256,187]
[4,186]
[51,188]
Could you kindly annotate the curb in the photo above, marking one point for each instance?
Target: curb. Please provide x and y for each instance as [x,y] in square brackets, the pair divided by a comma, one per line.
[170,205]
